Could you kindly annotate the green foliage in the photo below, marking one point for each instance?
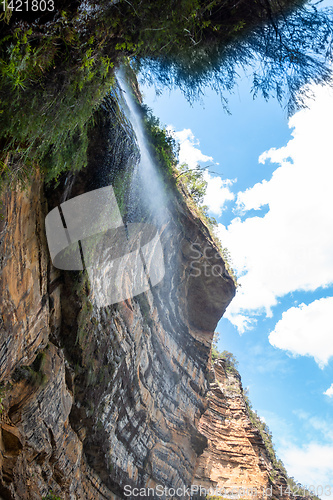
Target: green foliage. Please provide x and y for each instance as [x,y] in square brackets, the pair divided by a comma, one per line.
[279,469]
[231,362]
[45,114]
[55,73]
[6,14]
[23,62]
[285,45]
[194,182]
[120,188]
[266,436]
[16,173]
[51,496]
[161,142]
[57,138]
[189,182]
[34,374]
[215,352]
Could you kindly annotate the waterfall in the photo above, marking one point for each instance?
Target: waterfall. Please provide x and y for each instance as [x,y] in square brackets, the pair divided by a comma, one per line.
[132,261]
[117,240]
[146,183]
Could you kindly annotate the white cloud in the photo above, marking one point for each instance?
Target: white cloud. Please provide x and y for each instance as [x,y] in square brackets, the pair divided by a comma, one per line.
[217,193]
[311,465]
[189,152]
[289,248]
[306,330]
[329,391]
[325,427]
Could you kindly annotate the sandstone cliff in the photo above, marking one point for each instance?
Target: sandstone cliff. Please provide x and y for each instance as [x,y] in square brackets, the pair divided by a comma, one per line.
[96,399]
[236,459]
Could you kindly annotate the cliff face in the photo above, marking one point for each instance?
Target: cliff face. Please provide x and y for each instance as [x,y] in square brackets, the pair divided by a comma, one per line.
[39,450]
[24,304]
[96,399]
[236,459]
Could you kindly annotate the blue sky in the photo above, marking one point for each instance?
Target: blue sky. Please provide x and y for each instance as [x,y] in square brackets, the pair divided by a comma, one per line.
[273,201]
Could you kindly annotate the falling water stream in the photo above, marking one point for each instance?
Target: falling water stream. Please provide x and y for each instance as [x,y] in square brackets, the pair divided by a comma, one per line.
[121,252]
[145,182]
[132,260]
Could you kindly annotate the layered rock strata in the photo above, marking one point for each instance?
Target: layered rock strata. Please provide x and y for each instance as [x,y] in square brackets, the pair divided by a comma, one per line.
[236,461]
[97,399]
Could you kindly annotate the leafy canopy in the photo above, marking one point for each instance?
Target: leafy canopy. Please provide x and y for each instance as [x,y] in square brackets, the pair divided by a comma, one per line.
[56,67]
[284,49]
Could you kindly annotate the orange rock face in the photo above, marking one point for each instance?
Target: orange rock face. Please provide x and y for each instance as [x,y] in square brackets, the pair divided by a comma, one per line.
[236,460]
[23,279]
[97,399]
[39,451]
